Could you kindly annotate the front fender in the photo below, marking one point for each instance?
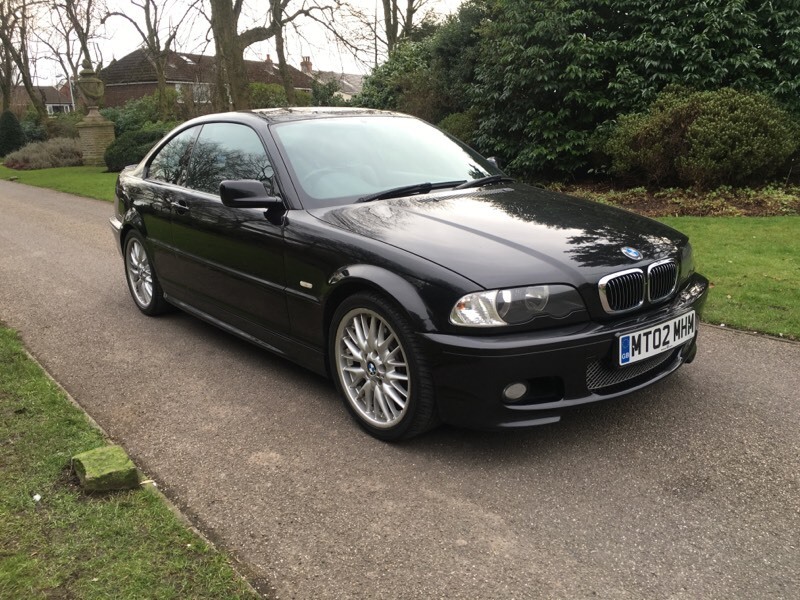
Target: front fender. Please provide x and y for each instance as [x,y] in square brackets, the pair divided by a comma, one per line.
[406,292]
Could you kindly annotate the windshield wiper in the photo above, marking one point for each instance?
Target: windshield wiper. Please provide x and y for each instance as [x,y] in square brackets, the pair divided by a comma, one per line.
[409,190]
[483,181]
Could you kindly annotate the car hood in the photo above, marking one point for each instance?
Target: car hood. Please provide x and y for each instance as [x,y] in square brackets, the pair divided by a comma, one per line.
[515,235]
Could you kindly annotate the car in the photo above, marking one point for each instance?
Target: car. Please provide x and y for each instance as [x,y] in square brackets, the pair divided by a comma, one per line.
[376,249]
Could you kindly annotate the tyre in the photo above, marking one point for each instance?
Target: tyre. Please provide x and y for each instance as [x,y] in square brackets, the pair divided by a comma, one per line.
[141,276]
[380,370]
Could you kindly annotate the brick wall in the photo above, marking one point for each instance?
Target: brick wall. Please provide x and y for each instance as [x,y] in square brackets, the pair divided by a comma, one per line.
[117,95]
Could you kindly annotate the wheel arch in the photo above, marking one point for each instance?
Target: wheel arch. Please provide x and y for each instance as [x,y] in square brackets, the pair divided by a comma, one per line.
[402,292]
[131,221]
[370,278]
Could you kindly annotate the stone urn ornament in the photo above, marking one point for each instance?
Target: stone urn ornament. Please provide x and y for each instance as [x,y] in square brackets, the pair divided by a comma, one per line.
[96,132]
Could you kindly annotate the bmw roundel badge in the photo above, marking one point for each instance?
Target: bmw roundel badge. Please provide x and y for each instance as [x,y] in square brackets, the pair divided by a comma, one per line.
[631,253]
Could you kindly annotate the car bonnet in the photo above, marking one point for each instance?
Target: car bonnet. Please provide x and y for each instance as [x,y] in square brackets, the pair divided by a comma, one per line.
[512,235]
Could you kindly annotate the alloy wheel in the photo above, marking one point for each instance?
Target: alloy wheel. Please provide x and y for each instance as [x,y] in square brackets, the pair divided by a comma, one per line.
[140,274]
[372,368]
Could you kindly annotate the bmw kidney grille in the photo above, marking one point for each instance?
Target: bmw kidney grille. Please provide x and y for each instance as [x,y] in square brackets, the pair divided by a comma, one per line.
[626,291]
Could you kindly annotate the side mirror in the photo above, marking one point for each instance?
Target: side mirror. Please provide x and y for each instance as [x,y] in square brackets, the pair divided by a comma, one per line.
[494,161]
[246,193]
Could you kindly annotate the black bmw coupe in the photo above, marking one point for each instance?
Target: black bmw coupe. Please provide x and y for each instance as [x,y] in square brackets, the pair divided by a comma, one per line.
[376,249]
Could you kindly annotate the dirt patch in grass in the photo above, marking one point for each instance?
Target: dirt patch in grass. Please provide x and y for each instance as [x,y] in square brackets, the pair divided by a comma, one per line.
[768,201]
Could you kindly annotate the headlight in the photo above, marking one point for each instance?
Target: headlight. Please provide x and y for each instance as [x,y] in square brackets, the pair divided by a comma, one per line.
[515,306]
[687,261]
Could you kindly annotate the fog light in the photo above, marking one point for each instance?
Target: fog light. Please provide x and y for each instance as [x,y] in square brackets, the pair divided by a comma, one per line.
[515,391]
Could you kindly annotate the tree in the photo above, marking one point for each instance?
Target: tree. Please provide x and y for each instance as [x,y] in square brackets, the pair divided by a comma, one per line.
[405,82]
[232,91]
[283,67]
[7,73]
[16,16]
[431,77]
[158,50]
[73,25]
[12,137]
[552,72]
[380,33]
[398,19]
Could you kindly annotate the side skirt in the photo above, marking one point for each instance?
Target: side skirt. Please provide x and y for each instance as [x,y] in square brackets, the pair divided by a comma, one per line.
[302,354]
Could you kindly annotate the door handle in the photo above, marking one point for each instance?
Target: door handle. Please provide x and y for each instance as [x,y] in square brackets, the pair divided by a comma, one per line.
[180,207]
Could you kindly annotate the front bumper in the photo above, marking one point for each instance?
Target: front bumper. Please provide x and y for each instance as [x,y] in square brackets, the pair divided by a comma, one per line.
[561,367]
[116,229]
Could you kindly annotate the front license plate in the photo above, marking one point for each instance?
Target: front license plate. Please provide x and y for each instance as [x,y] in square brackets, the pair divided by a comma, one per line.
[645,343]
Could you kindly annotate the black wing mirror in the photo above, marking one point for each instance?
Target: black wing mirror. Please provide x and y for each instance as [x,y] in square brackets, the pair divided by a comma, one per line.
[247,193]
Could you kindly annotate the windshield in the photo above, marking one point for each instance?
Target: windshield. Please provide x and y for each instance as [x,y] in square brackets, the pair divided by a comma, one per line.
[338,160]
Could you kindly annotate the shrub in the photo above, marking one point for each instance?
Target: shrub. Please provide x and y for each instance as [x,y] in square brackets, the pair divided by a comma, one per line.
[33,130]
[11,135]
[302,98]
[461,125]
[140,113]
[404,83]
[64,125]
[57,152]
[267,95]
[324,94]
[131,147]
[724,137]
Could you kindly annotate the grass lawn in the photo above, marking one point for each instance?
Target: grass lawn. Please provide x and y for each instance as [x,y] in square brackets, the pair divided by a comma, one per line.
[71,545]
[92,182]
[754,266]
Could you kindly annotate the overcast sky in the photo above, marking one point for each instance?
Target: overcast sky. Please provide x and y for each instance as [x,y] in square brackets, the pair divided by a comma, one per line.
[122,38]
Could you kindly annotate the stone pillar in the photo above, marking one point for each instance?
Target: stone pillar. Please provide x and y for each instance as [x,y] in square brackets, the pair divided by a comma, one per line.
[95,131]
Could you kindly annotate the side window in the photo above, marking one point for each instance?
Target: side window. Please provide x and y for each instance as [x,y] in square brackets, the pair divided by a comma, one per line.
[169,164]
[227,151]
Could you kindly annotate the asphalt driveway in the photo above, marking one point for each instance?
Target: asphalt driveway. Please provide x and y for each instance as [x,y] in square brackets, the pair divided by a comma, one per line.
[688,490]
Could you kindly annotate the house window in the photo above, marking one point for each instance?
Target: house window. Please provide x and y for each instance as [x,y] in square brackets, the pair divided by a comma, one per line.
[199,93]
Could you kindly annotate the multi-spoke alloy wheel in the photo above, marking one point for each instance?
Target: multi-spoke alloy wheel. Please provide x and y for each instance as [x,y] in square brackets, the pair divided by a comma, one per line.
[139,273]
[142,280]
[380,369]
[372,367]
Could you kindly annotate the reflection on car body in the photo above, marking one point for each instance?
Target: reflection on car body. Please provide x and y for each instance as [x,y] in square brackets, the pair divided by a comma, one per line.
[374,248]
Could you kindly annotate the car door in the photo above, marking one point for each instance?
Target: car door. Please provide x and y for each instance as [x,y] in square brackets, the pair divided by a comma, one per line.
[231,262]
[159,192]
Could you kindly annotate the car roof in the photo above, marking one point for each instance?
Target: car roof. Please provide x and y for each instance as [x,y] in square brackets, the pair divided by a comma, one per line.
[276,115]
[283,115]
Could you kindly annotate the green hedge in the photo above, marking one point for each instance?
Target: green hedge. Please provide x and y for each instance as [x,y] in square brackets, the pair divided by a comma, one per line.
[707,139]
[131,147]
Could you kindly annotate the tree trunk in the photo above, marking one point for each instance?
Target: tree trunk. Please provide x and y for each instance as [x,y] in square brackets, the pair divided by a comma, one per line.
[160,64]
[390,23]
[35,95]
[283,68]
[231,90]
[408,21]
[7,81]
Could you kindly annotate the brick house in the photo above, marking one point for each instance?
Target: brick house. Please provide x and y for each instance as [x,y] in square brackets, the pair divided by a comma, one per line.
[57,99]
[191,75]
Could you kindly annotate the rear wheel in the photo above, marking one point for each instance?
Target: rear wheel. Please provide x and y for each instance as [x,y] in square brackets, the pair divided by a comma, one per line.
[142,279]
[380,369]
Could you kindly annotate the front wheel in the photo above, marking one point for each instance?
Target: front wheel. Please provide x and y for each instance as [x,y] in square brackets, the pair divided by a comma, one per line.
[380,369]
[142,279]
